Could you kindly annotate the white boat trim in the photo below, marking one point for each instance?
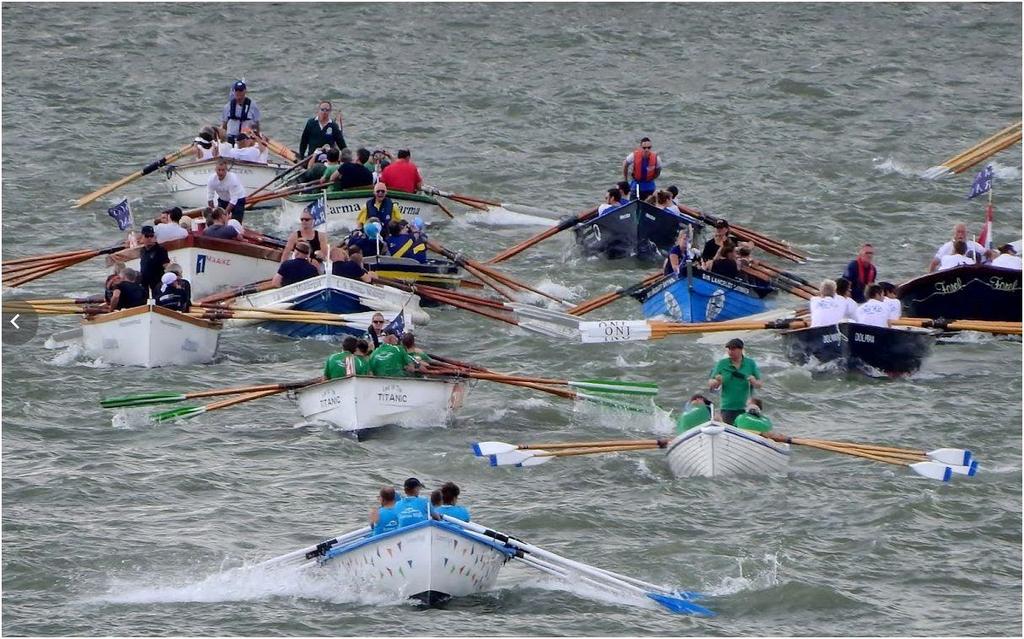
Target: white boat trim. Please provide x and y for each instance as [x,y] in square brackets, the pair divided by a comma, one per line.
[187,182]
[715,449]
[150,336]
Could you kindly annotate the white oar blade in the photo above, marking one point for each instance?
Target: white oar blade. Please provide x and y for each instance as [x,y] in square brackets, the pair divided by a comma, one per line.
[511,458]
[970,470]
[540,457]
[485,449]
[932,470]
[951,456]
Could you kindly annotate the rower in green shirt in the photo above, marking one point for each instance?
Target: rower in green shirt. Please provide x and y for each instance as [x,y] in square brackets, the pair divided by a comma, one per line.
[390,359]
[347,362]
[737,375]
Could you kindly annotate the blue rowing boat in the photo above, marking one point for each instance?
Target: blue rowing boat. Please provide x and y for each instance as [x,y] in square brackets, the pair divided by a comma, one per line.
[696,295]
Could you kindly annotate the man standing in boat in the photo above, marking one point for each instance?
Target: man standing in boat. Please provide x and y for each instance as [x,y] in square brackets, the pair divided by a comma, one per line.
[642,167]
[239,113]
[152,260]
[861,272]
[737,376]
[225,190]
[322,130]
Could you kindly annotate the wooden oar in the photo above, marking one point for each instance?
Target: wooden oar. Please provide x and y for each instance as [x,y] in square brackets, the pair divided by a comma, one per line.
[186,412]
[26,269]
[607,298]
[482,271]
[445,210]
[167,397]
[769,245]
[540,237]
[455,197]
[999,328]
[239,291]
[784,284]
[280,176]
[277,148]
[146,170]
[983,150]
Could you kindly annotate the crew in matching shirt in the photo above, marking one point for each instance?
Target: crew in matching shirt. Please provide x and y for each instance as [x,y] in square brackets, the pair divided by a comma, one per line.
[873,312]
[829,308]
[412,509]
[384,518]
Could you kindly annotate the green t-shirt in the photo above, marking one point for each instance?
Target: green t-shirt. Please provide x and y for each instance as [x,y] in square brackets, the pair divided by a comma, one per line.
[329,170]
[389,360]
[334,368]
[362,363]
[735,387]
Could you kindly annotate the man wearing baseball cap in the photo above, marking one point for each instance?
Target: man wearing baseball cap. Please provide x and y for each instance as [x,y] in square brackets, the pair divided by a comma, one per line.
[412,508]
[152,260]
[239,113]
[390,359]
[737,376]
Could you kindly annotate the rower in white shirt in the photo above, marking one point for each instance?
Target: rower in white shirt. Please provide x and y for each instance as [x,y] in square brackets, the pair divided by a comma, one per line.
[873,312]
[827,308]
[225,190]
[959,234]
[956,258]
[1007,258]
[890,299]
[843,292]
[247,150]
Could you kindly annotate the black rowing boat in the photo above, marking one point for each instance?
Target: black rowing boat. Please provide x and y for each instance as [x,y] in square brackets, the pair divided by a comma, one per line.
[636,229]
[975,292]
[861,347]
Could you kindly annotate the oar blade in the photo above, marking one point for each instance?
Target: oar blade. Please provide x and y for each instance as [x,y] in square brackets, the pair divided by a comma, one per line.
[616,387]
[970,470]
[539,457]
[486,449]
[680,606]
[143,399]
[511,458]
[183,412]
[933,470]
[951,456]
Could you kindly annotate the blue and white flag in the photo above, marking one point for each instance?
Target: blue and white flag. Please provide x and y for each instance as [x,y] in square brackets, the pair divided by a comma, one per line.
[122,214]
[318,210]
[982,182]
[398,324]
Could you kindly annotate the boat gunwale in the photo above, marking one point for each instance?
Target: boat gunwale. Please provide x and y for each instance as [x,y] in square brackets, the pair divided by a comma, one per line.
[733,431]
[114,316]
[370,538]
[360,193]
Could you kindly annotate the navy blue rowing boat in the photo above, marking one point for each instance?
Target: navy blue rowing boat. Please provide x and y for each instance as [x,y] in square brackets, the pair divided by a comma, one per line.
[696,295]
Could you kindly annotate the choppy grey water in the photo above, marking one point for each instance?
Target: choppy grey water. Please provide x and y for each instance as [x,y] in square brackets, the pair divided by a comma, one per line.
[808,122]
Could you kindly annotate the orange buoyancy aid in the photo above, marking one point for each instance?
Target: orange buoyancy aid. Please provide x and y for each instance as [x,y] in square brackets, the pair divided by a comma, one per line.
[644,165]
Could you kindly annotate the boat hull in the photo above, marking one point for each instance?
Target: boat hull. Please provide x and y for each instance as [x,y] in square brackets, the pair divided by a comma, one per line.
[636,229]
[714,449]
[978,292]
[336,295]
[187,182]
[343,207]
[700,296]
[860,347]
[211,265]
[360,403]
[149,337]
[430,561]
[439,273]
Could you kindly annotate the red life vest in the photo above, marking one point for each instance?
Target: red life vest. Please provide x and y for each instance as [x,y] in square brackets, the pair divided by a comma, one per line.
[644,163]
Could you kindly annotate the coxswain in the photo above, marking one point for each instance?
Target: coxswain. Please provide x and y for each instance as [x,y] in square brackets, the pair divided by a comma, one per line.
[218,228]
[127,292]
[379,206]
[861,272]
[374,333]
[679,254]
[389,359]
[826,307]
[239,113]
[172,295]
[1007,258]
[412,508]
[225,190]
[843,292]
[642,167]
[873,312]
[152,260]
[350,174]
[959,235]
[956,258]
[384,518]
[350,265]
[737,376]
[402,243]
[322,130]
[402,174]
[450,495]
[891,301]
[297,269]
[317,240]
[345,363]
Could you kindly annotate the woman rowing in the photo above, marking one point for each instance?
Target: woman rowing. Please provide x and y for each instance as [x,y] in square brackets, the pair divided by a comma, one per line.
[679,254]
[317,240]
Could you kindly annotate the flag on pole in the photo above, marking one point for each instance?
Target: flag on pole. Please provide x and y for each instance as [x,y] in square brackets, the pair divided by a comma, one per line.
[122,214]
[398,324]
[318,210]
[982,182]
[985,239]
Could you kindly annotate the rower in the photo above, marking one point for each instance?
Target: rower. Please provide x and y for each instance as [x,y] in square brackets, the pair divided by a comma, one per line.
[185,285]
[449,495]
[225,190]
[717,240]
[207,144]
[349,174]
[341,364]
[737,376]
[436,501]
[349,263]
[331,162]
[297,269]
[959,235]
[679,254]
[891,301]
[390,359]
[956,258]
[379,206]
[239,113]
[218,228]
[172,295]
[725,264]
[169,228]
[644,166]
[826,307]
[306,232]
[753,419]
[402,174]
[695,412]
[402,243]
[1007,258]
[384,518]
[412,508]
[363,352]
[247,150]
[612,199]
[843,292]
[873,312]
[127,292]
[417,353]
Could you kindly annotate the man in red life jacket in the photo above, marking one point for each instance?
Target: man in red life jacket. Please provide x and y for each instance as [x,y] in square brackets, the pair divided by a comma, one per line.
[861,272]
[641,168]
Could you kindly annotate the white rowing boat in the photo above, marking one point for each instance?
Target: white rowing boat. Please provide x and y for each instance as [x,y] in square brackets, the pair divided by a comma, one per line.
[714,449]
[355,404]
[187,182]
[211,265]
[150,336]
[343,207]
[431,561]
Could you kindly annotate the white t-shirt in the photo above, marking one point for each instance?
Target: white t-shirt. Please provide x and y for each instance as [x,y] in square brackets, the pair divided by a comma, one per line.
[826,311]
[168,232]
[895,307]
[947,249]
[873,313]
[230,189]
[1006,260]
[953,260]
[850,312]
[206,153]
[248,154]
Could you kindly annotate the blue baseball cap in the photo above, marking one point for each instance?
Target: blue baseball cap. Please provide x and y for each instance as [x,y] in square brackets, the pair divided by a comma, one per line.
[238,86]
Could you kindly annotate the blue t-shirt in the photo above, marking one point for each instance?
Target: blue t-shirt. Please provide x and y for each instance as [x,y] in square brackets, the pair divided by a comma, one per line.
[411,510]
[387,520]
[458,512]
[296,270]
[348,269]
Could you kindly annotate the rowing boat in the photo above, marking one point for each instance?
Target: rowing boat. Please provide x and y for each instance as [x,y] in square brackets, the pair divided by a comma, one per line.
[336,295]
[439,273]
[974,292]
[431,561]
[211,265]
[894,351]
[343,206]
[715,449]
[150,336]
[354,404]
[187,182]
[697,295]
[636,229]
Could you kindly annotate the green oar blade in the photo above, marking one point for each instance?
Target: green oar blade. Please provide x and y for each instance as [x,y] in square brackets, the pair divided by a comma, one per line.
[617,387]
[616,404]
[142,399]
[183,412]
